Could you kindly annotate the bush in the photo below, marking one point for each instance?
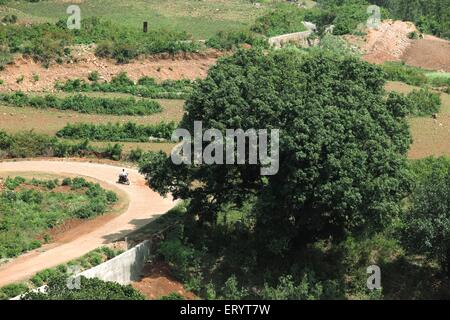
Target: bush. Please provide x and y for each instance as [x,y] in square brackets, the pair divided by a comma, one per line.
[424,102]
[93,76]
[234,39]
[307,289]
[91,289]
[401,72]
[179,256]
[117,132]
[146,87]
[84,104]
[12,290]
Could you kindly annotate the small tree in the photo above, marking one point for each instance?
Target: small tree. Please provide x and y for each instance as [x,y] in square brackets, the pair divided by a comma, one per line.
[427,225]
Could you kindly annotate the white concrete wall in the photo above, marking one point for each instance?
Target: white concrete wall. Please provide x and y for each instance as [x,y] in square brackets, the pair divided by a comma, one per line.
[123,269]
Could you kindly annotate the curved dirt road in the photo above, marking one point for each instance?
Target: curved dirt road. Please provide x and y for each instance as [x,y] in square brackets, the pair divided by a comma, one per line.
[144,205]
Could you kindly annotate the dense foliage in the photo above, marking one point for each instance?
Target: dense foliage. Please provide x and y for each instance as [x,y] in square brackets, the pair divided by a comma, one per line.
[28,144]
[91,289]
[424,102]
[342,147]
[84,104]
[29,208]
[145,87]
[427,224]
[118,132]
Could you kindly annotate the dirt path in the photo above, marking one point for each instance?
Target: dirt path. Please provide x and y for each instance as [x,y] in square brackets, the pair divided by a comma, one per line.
[144,205]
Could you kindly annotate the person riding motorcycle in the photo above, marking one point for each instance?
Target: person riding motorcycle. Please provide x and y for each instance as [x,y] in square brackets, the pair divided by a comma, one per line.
[123,176]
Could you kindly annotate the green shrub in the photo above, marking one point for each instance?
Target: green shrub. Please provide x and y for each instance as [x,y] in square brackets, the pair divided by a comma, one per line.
[84,104]
[424,102]
[5,140]
[181,257]
[146,87]
[234,39]
[401,72]
[12,290]
[172,296]
[117,132]
[93,76]
[26,214]
[90,289]
[307,289]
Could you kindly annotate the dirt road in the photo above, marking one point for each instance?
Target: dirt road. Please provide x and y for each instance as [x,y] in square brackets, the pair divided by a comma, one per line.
[144,205]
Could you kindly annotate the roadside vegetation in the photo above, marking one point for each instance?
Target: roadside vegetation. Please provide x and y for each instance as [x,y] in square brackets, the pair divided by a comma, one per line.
[27,144]
[90,289]
[29,208]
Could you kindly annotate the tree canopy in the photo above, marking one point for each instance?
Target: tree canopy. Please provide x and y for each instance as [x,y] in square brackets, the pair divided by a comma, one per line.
[342,146]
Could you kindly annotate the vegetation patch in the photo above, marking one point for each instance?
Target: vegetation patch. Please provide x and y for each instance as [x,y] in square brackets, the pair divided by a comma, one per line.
[28,208]
[28,144]
[84,104]
[145,87]
[118,132]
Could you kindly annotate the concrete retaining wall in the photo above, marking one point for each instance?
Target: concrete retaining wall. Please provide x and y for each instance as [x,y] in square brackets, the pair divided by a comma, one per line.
[298,38]
[123,269]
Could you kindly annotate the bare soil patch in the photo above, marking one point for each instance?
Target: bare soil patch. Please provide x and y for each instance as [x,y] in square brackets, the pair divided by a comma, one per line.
[161,67]
[431,137]
[390,42]
[429,53]
[157,282]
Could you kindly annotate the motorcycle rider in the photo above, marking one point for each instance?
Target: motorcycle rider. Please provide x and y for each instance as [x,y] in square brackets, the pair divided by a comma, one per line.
[124,175]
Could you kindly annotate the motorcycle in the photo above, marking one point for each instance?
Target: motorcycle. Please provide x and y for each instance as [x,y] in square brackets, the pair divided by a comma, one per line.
[124,180]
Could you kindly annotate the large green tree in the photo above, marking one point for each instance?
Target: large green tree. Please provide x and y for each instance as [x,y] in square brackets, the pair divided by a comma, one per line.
[342,146]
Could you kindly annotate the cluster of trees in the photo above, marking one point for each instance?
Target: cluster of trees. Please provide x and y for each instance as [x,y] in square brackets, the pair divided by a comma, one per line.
[145,87]
[84,104]
[337,204]
[21,209]
[129,131]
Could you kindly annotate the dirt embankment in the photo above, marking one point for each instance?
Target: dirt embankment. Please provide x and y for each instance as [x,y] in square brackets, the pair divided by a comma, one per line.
[429,53]
[161,67]
[390,42]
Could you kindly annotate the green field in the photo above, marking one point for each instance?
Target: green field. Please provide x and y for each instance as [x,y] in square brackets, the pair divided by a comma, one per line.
[202,19]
